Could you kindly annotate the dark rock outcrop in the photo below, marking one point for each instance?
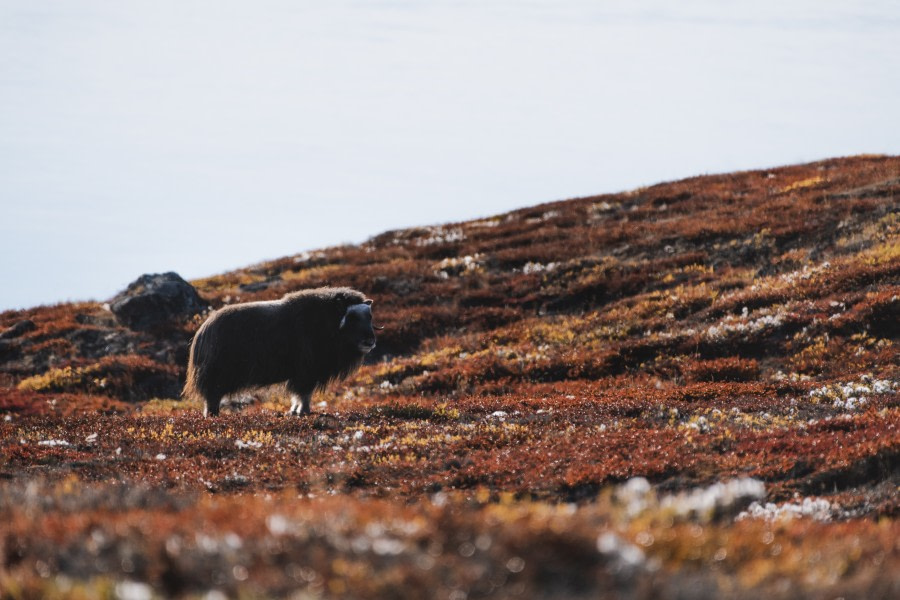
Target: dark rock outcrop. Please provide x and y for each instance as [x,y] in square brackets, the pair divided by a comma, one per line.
[155,300]
[20,328]
[258,286]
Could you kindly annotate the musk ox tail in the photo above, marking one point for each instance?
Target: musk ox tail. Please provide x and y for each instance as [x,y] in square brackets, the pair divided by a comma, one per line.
[192,386]
[189,392]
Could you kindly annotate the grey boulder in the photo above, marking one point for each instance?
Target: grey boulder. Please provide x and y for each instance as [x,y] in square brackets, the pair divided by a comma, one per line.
[156,300]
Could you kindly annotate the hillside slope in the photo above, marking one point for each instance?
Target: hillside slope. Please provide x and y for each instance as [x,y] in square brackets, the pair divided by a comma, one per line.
[693,334]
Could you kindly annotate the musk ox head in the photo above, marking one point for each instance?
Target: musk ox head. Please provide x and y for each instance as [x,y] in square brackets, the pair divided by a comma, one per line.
[356,329]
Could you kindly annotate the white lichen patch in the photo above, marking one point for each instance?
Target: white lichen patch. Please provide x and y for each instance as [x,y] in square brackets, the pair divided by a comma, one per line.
[251,445]
[546,216]
[741,325]
[485,223]
[533,267]
[852,396]
[441,235]
[703,503]
[715,420]
[458,266]
[622,555]
[133,590]
[719,497]
[804,274]
[817,509]
[305,257]
[55,443]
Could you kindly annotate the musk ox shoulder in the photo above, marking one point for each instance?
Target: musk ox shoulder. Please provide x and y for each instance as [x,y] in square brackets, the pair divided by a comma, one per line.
[307,339]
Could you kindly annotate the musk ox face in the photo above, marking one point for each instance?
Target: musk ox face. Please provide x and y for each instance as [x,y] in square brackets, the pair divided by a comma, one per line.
[356,327]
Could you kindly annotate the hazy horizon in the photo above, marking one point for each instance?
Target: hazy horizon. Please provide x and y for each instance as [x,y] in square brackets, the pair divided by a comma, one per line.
[207,136]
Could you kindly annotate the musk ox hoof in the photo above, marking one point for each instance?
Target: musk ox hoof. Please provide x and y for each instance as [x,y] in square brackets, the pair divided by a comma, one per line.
[300,405]
[297,413]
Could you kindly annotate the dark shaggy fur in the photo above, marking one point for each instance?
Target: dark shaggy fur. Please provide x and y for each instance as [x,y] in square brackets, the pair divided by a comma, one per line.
[306,339]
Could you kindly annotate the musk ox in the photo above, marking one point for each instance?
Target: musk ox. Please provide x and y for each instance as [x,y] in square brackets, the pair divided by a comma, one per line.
[306,339]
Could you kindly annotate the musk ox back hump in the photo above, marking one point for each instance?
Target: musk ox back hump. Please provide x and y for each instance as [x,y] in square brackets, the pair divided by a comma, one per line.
[306,339]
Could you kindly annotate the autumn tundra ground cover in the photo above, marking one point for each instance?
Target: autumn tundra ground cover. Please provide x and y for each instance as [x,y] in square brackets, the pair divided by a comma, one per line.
[688,390]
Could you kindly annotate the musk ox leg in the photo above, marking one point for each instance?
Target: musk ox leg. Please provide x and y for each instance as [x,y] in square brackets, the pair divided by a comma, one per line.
[300,404]
[212,406]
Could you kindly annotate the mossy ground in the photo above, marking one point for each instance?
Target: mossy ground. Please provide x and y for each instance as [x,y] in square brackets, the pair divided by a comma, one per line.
[536,368]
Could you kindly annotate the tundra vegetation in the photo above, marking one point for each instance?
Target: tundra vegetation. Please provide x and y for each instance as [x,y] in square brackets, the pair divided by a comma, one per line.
[686,390]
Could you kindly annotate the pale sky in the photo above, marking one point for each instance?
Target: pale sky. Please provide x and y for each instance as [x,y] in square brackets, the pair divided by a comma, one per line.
[203,136]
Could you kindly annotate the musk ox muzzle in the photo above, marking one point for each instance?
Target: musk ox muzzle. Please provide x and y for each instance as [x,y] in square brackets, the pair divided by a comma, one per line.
[307,339]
